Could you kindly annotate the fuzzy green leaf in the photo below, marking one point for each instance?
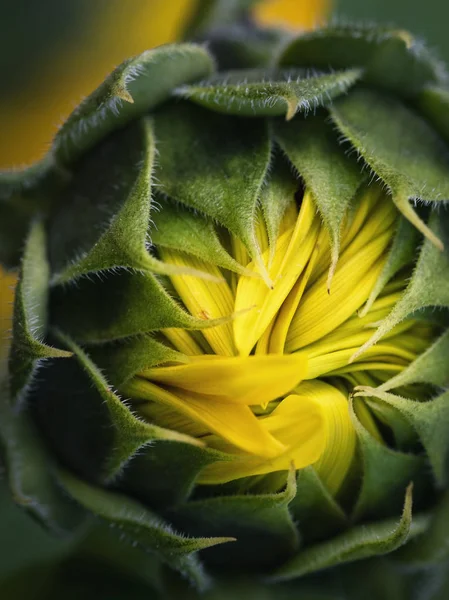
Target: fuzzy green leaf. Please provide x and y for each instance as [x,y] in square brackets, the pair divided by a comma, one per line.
[103,216]
[28,348]
[333,178]
[270,94]
[430,367]
[430,420]
[135,87]
[213,163]
[401,254]
[380,127]
[278,191]
[429,285]
[122,359]
[264,518]
[117,305]
[391,59]
[358,543]
[179,228]
[92,423]
[386,474]
[430,548]
[163,475]
[142,527]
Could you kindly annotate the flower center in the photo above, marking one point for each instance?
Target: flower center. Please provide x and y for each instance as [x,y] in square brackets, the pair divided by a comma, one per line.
[268,384]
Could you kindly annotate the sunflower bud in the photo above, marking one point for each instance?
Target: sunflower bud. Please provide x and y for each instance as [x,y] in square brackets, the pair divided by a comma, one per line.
[230,329]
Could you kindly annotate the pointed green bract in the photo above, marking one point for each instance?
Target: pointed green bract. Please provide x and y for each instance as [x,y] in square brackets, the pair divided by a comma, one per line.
[317,512]
[28,348]
[163,475]
[102,222]
[213,163]
[429,284]
[402,253]
[391,59]
[313,149]
[430,420]
[277,193]
[117,305]
[360,542]
[380,127]
[121,360]
[135,87]
[254,93]
[179,228]
[430,367]
[241,517]
[127,433]
[141,526]
[386,474]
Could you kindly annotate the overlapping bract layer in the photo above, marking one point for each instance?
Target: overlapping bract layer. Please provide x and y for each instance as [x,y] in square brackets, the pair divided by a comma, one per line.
[98,305]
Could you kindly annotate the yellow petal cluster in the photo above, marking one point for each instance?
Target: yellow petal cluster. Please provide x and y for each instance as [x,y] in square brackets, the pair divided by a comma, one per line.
[269,386]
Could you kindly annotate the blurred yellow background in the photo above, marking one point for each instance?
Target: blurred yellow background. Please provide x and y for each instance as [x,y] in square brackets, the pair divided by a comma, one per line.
[30,116]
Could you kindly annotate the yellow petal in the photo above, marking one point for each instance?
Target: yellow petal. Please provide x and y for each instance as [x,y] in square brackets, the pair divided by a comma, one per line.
[252,380]
[298,421]
[382,352]
[335,461]
[183,341]
[205,299]
[293,250]
[321,312]
[233,422]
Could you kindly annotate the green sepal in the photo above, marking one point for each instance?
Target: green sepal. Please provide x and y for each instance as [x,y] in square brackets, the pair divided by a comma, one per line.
[134,88]
[429,284]
[30,471]
[317,512]
[163,475]
[106,432]
[264,531]
[401,254]
[277,192]
[213,163]
[430,548]
[433,102]
[385,475]
[117,305]
[260,93]
[103,216]
[358,543]
[431,422]
[429,367]
[122,359]
[28,349]
[391,59]
[143,528]
[333,178]
[177,227]
[380,127]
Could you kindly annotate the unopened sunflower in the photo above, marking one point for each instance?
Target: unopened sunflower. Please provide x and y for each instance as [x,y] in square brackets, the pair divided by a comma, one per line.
[230,334]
